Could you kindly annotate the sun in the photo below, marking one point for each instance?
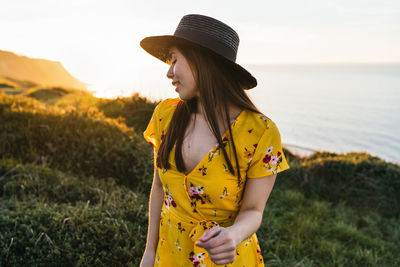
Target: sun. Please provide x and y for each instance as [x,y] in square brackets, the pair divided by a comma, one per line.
[101,91]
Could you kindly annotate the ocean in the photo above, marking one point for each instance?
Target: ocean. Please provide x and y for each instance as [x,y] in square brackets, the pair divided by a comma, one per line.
[325,107]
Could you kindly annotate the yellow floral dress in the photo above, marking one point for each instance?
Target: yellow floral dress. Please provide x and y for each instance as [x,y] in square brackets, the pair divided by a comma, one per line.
[210,195]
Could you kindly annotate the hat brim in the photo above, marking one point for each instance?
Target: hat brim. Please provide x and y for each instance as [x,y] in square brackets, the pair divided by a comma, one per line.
[158,46]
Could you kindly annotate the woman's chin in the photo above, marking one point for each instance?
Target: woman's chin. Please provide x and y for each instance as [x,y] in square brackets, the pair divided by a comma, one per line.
[186,96]
[182,97]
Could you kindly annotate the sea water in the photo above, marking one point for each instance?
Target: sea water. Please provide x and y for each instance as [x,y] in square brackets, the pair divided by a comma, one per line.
[326,107]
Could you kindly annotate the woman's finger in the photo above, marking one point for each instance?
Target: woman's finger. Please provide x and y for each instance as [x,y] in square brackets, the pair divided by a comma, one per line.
[226,247]
[223,258]
[210,233]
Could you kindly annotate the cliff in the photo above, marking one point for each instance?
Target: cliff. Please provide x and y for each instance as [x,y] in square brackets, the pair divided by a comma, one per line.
[44,72]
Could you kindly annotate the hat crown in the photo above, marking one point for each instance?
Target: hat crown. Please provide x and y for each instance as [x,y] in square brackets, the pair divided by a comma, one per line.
[203,30]
[205,33]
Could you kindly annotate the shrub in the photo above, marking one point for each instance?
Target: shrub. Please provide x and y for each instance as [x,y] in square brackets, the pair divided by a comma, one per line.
[48,93]
[82,143]
[358,179]
[298,231]
[136,110]
[6,85]
[50,218]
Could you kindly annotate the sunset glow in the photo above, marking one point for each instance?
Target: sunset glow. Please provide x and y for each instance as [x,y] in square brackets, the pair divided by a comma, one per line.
[100,40]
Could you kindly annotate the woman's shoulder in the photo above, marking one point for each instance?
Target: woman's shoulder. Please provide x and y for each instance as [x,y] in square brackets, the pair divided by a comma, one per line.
[255,127]
[259,121]
[258,131]
[167,106]
[164,111]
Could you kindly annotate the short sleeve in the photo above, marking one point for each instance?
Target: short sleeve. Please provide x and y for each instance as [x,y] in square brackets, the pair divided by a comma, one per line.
[152,134]
[268,156]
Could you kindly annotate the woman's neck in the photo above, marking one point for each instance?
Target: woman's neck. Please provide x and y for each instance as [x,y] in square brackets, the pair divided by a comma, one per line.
[233,111]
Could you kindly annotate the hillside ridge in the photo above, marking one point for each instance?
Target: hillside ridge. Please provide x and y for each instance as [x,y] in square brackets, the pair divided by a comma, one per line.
[39,71]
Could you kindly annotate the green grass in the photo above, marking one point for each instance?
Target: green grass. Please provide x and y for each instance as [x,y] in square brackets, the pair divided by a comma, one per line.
[15,83]
[75,181]
[56,217]
[80,142]
[298,231]
[6,85]
[360,180]
[134,111]
[51,218]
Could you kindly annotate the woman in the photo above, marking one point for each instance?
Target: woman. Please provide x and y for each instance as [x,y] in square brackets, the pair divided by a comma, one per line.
[210,144]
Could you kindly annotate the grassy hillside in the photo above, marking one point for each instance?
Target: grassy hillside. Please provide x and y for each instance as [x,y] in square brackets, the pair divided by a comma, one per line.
[134,111]
[74,184]
[79,142]
[50,218]
[39,71]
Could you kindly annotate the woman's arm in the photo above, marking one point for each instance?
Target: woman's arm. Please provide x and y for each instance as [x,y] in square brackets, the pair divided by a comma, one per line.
[155,205]
[221,242]
[256,194]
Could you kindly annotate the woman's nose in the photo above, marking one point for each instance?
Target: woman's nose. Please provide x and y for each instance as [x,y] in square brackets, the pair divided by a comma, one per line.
[170,73]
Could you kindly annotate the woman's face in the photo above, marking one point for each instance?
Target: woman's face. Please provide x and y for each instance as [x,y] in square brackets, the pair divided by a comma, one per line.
[181,75]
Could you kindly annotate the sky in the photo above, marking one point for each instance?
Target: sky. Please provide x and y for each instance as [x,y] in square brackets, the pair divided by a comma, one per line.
[98,41]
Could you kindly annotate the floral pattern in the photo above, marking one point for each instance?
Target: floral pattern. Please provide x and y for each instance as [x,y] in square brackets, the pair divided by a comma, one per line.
[196,259]
[264,118]
[210,191]
[203,170]
[180,228]
[162,135]
[177,244]
[248,241]
[196,193]
[224,193]
[169,200]
[248,154]
[272,162]
[225,167]
[161,218]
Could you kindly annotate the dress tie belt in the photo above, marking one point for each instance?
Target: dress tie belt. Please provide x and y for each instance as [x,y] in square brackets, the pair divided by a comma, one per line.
[195,234]
[199,228]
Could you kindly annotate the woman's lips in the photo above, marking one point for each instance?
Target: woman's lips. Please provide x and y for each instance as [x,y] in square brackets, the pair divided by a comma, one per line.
[176,84]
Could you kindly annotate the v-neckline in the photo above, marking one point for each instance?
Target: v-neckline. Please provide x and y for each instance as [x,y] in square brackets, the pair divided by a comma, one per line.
[223,136]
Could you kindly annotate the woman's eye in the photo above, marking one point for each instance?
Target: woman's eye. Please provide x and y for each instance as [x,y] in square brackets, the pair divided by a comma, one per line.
[169,62]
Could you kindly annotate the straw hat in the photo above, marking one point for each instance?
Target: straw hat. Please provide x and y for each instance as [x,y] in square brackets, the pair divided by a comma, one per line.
[206,32]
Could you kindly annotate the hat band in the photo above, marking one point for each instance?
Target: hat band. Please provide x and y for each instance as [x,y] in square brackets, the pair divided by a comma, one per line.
[206,41]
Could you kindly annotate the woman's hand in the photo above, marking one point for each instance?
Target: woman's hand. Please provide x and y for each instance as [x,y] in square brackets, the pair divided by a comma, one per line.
[148,259]
[220,245]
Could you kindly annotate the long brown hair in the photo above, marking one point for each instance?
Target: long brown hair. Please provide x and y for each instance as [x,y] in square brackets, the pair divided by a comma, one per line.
[217,87]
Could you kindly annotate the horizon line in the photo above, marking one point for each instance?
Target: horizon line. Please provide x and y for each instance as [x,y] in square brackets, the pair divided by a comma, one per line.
[259,64]
[325,63]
